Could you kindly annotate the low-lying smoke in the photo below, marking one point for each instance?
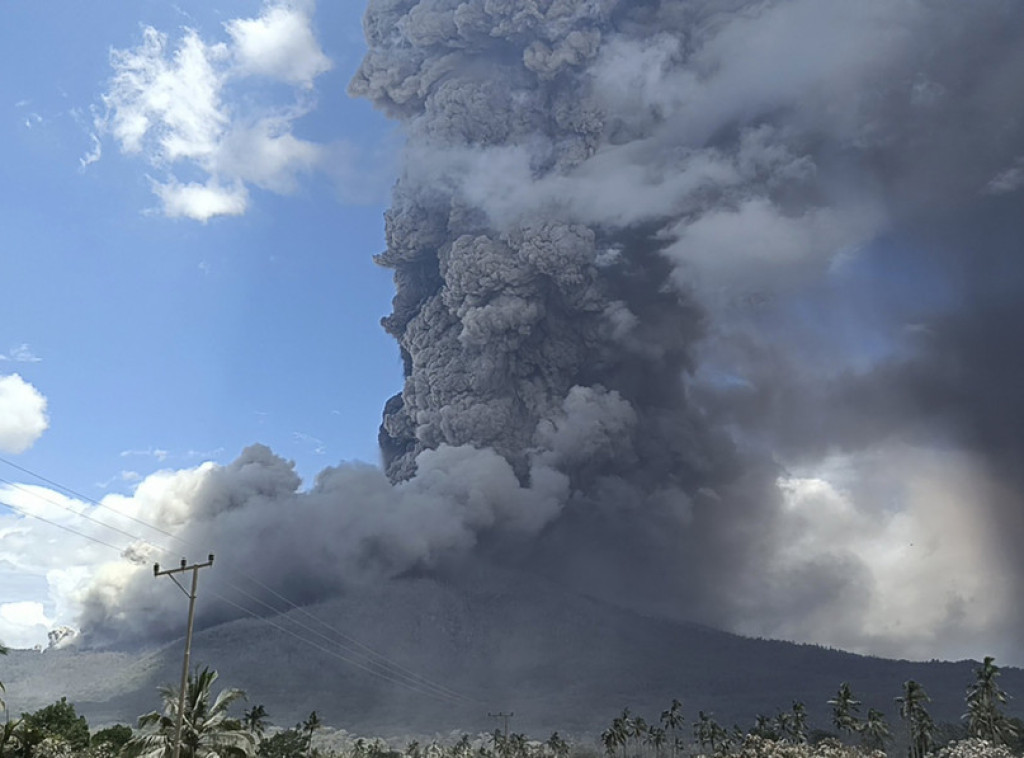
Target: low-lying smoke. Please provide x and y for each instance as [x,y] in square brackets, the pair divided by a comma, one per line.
[672,279]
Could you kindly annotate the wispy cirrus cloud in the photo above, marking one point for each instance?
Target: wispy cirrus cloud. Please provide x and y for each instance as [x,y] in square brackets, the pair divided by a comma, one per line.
[186,107]
[20,354]
[150,452]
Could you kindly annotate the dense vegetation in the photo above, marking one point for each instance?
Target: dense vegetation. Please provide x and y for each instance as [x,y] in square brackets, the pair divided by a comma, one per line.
[209,730]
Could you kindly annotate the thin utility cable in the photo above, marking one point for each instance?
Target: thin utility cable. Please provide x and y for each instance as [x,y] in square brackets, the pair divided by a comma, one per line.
[23,512]
[299,637]
[345,639]
[86,498]
[393,669]
[357,643]
[333,653]
[370,655]
[86,516]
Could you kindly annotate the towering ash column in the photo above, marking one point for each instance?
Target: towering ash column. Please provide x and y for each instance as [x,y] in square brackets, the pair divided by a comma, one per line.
[524,325]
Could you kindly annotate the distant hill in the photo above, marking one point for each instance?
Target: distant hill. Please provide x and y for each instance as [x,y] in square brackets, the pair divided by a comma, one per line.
[508,642]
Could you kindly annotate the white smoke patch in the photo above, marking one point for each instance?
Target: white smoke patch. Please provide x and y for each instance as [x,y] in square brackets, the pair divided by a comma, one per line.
[23,416]
[887,552]
[187,107]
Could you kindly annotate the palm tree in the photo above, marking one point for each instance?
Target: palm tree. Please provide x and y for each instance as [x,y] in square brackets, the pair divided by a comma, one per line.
[207,730]
[559,747]
[671,721]
[310,725]
[623,728]
[920,726]
[984,717]
[799,722]
[876,730]
[707,731]
[11,738]
[639,734]
[656,738]
[783,726]
[517,745]
[844,709]
[764,727]
[462,748]
[610,740]
[256,720]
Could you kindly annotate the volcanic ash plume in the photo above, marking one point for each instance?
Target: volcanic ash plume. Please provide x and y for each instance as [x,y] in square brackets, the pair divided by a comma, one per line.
[680,296]
[609,219]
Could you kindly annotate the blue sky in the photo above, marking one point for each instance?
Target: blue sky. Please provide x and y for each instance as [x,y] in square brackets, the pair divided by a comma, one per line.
[159,341]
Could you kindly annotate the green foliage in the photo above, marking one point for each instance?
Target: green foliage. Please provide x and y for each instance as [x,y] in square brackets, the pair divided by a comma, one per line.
[559,747]
[54,723]
[256,720]
[289,743]
[10,739]
[116,736]
[985,718]
[208,730]
[875,730]
[920,727]
[845,708]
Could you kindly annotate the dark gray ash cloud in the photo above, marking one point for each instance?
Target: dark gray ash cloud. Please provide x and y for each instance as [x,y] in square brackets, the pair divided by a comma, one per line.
[709,307]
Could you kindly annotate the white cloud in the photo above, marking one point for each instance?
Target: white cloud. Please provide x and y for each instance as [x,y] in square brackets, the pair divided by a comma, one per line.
[23,624]
[279,44]
[887,552]
[93,155]
[182,107]
[46,566]
[201,201]
[23,416]
[1010,180]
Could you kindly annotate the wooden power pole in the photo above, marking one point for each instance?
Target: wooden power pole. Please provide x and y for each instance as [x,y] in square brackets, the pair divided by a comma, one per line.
[504,716]
[194,568]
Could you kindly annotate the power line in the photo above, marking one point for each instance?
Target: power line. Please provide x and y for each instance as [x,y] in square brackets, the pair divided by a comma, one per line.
[392,671]
[86,516]
[84,498]
[373,658]
[335,654]
[194,568]
[23,512]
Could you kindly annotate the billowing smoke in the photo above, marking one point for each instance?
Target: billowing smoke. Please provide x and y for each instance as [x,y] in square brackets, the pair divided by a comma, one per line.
[710,307]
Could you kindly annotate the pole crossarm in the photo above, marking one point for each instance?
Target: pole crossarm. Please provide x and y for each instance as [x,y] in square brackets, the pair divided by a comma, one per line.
[505,717]
[194,568]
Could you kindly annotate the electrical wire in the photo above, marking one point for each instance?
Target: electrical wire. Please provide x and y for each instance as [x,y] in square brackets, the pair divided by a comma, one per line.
[388,669]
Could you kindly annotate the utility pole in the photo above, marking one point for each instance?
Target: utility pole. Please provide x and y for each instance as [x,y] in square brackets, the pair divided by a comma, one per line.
[194,568]
[505,716]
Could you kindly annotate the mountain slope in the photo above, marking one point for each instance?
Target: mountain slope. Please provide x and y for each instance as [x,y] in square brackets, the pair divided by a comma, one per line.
[506,642]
